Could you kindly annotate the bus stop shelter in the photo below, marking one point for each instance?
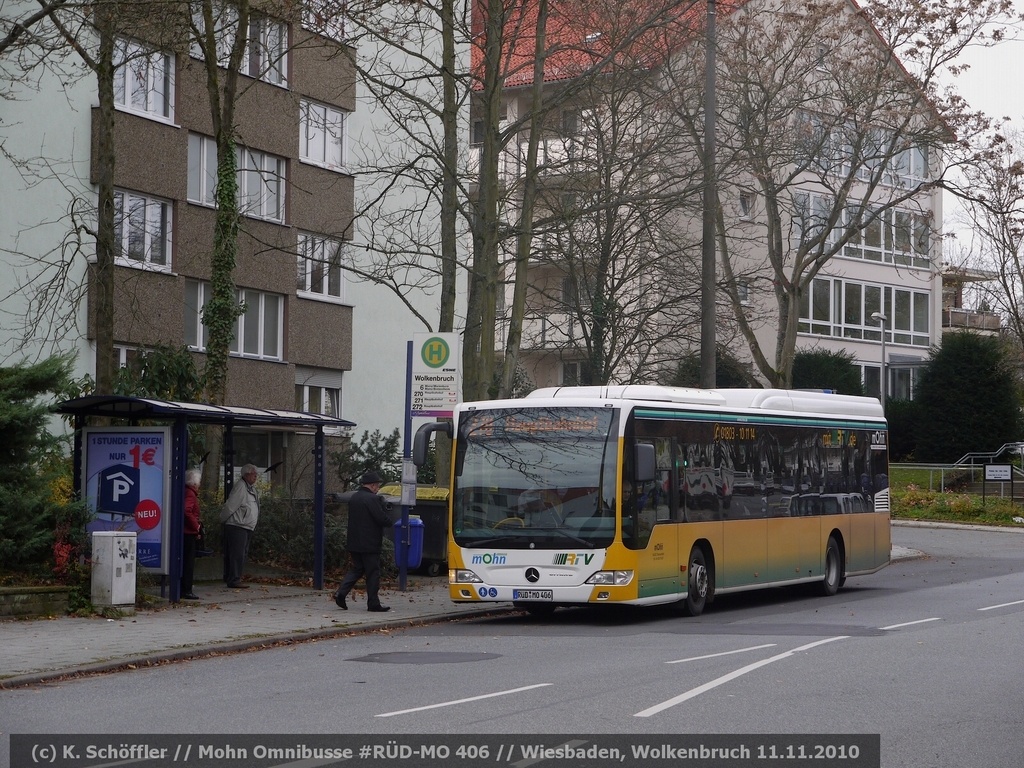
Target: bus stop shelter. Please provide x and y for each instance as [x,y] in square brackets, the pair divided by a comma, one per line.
[179,415]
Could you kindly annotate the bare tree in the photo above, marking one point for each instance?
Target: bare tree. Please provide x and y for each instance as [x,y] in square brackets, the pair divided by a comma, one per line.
[993,194]
[614,281]
[827,138]
[409,178]
[58,31]
[407,60]
[531,66]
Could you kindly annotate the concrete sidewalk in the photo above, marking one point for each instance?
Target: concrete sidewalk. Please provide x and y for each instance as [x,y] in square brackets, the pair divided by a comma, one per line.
[224,620]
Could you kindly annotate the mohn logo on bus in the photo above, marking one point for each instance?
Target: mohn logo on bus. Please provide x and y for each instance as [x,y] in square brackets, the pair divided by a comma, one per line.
[573,558]
[435,352]
[489,558]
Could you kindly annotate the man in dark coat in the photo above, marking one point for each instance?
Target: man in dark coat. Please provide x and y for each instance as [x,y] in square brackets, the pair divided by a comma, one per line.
[367,520]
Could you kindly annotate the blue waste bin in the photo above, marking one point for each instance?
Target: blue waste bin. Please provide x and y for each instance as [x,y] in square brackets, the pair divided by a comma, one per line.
[411,554]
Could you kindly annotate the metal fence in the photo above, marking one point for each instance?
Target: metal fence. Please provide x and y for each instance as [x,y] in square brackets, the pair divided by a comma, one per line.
[966,477]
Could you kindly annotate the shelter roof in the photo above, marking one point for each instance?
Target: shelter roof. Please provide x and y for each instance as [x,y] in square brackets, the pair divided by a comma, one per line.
[136,408]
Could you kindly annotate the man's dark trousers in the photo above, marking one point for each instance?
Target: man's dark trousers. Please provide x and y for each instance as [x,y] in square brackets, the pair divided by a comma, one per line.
[363,564]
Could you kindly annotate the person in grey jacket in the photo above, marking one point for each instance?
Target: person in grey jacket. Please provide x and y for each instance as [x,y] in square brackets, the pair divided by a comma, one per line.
[367,521]
[239,515]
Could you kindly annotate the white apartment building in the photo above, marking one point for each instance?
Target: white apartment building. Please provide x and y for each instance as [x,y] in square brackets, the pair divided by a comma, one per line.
[876,282]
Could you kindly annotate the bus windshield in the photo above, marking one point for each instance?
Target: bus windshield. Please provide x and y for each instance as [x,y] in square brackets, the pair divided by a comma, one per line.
[535,478]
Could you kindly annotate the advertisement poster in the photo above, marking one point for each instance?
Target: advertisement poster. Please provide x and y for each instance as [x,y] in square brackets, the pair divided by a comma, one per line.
[127,487]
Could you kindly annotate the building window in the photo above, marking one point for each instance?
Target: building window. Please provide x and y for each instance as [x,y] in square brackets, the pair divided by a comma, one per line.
[261,178]
[258,329]
[266,43]
[872,378]
[577,121]
[320,267]
[142,230]
[810,220]
[477,138]
[202,169]
[743,291]
[125,356]
[260,326]
[225,21]
[902,383]
[871,154]
[571,374]
[143,80]
[892,236]
[570,291]
[322,135]
[843,309]
[318,390]
[261,184]
[911,165]
[746,205]
[821,58]
[570,122]
[325,17]
[325,400]
[265,50]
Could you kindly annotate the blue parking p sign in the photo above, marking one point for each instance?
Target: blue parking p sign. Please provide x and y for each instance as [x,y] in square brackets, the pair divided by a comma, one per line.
[118,490]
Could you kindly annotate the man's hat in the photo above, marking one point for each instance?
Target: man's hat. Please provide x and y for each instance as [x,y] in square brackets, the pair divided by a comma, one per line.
[370,478]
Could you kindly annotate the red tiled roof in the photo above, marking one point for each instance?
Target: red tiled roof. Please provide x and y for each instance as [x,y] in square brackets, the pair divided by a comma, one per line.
[583,34]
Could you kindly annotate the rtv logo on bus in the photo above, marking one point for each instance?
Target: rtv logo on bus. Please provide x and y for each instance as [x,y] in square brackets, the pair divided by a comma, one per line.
[490,558]
[573,558]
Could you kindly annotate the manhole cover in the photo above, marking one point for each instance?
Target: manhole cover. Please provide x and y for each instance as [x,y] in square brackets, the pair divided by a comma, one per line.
[426,657]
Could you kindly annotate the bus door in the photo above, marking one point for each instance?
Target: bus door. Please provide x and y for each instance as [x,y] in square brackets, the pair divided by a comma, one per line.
[659,558]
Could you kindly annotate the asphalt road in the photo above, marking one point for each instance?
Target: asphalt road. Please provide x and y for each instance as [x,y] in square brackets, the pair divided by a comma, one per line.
[924,653]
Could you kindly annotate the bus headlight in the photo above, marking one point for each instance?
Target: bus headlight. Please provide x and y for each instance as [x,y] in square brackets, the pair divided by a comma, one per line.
[613,578]
[463,576]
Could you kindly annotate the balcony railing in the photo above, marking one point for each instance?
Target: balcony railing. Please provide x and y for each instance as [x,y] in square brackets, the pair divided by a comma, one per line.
[553,331]
[953,317]
[540,331]
[556,155]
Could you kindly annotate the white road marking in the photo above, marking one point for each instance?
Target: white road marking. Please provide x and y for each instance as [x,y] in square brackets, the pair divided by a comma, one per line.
[911,623]
[1001,605]
[723,653]
[463,701]
[731,676]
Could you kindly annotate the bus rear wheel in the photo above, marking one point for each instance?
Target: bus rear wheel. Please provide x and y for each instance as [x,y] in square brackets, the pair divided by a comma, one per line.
[833,568]
[698,583]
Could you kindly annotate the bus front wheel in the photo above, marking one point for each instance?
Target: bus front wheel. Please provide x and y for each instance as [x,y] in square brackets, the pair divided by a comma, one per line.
[833,568]
[698,583]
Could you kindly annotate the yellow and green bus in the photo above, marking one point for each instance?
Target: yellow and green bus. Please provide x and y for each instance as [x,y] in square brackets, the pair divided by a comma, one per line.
[647,495]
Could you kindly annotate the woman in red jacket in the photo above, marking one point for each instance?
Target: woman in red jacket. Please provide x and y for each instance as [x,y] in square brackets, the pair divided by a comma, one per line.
[192,524]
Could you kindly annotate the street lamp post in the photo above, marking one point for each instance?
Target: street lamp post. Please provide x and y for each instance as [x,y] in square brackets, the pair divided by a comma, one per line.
[882,319]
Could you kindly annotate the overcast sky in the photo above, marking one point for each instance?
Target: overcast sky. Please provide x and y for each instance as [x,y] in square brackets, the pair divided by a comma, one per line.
[995,81]
[995,85]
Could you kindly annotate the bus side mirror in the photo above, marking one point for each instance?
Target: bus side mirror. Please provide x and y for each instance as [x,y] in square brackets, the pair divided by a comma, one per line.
[422,438]
[644,463]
